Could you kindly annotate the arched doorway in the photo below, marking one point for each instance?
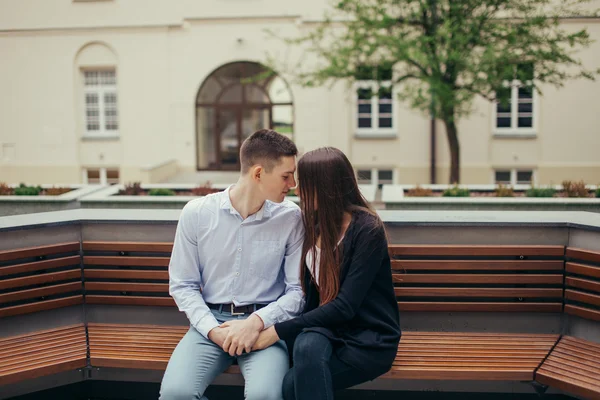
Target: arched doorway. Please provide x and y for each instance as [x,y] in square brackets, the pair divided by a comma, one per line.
[236,100]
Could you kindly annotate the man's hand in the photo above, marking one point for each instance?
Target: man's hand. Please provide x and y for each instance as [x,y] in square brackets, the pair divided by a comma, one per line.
[218,335]
[242,334]
[265,339]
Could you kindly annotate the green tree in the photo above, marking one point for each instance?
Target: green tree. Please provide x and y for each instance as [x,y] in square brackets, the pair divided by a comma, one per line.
[447,52]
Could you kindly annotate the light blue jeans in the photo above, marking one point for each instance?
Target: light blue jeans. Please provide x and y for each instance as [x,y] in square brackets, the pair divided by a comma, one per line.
[197,361]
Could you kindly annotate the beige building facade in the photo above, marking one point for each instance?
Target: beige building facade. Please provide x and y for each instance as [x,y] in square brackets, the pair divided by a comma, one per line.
[159,91]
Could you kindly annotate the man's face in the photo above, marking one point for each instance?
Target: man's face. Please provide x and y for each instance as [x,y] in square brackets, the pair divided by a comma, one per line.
[277,183]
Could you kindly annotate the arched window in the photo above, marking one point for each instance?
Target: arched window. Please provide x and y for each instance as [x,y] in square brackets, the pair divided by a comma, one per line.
[236,100]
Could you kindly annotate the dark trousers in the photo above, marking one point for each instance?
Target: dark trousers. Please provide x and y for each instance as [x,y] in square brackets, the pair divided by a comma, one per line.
[317,370]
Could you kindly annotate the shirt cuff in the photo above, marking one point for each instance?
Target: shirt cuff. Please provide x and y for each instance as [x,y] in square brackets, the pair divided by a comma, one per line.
[267,320]
[206,324]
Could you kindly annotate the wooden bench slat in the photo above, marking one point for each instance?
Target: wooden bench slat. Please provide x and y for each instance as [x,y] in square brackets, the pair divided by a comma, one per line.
[575,351]
[581,269]
[41,306]
[585,284]
[581,254]
[466,373]
[476,250]
[105,325]
[127,261]
[40,292]
[584,368]
[42,278]
[43,341]
[567,385]
[56,345]
[480,278]
[131,300]
[151,340]
[43,357]
[116,362]
[35,334]
[475,353]
[526,342]
[128,287]
[575,359]
[560,370]
[582,297]
[480,307]
[44,370]
[582,312]
[407,333]
[28,357]
[476,292]
[468,363]
[473,265]
[150,247]
[125,274]
[584,344]
[71,261]
[142,334]
[28,252]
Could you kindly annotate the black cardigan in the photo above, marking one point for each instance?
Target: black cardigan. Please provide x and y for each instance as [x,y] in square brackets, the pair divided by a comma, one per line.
[363,320]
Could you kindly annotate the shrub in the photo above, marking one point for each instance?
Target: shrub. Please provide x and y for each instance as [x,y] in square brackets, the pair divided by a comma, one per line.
[204,190]
[575,189]
[504,191]
[598,192]
[540,192]
[456,191]
[161,192]
[5,190]
[132,189]
[56,191]
[24,190]
[419,192]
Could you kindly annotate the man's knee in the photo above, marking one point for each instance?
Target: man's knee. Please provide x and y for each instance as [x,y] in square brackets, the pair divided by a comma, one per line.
[178,393]
[264,392]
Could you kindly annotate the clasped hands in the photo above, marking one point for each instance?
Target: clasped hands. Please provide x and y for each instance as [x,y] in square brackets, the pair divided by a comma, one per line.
[238,336]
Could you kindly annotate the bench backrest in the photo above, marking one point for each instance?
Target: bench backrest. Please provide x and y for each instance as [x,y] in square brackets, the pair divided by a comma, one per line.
[582,283]
[478,277]
[40,278]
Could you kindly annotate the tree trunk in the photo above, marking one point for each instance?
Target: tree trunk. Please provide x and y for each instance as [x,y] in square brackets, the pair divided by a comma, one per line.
[454,148]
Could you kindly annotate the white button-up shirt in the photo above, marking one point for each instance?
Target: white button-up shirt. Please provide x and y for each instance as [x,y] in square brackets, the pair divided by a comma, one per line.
[220,258]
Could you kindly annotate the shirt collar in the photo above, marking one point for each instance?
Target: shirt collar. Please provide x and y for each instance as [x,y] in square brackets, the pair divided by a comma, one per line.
[264,212]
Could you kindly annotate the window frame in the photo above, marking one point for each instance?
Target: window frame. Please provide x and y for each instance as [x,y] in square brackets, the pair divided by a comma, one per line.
[374,131]
[100,90]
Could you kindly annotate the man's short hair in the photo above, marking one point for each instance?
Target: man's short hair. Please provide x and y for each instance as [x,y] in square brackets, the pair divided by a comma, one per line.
[265,147]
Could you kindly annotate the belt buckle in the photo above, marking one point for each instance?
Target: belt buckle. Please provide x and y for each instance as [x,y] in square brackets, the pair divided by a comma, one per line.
[234,313]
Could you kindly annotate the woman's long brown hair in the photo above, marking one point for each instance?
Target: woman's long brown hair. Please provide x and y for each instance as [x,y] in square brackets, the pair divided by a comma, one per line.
[326,180]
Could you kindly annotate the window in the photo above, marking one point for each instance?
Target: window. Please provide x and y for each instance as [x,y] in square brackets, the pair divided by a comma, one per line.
[364,176]
[513,177]
[100,93]
[515,111]
[374,102]
[100,176]
[375,176]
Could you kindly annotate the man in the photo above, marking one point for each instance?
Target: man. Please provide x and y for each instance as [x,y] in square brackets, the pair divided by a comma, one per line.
[236,259]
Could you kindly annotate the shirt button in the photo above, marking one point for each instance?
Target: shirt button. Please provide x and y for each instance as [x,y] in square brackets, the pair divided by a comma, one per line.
[237,274]
[240,249]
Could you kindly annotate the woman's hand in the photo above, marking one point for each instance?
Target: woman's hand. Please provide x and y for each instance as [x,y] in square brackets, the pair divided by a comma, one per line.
[265,339]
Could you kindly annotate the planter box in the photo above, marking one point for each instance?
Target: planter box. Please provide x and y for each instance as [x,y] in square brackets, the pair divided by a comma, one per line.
[14,205]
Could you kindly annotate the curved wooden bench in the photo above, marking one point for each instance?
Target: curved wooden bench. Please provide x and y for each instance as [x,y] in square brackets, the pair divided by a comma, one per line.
[470,356]
[573,367]
[40,278]
[42,353]
[478,278]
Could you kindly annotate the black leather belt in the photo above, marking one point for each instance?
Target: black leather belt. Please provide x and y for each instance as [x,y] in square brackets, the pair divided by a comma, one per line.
[233,310]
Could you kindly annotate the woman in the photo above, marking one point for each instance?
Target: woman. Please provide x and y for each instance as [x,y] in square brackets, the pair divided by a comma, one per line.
[349,331]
